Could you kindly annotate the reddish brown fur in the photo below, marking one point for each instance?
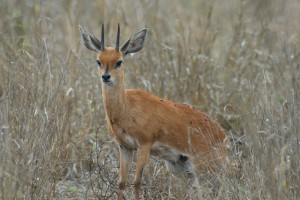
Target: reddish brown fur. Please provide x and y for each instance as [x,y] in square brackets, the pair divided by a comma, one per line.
[149,119]
[188,140]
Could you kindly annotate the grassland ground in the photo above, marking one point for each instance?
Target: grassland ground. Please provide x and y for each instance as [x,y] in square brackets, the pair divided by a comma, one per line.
[238,61]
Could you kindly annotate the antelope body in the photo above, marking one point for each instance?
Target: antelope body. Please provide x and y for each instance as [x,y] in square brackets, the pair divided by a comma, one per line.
[188,140]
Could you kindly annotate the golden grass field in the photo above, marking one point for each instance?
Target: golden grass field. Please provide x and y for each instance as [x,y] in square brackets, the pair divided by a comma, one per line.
[237,60]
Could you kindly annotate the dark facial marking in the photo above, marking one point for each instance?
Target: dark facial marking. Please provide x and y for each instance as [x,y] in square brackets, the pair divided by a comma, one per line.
[106,70]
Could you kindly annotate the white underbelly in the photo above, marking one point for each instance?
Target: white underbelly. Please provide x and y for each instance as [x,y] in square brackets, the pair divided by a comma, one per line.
[165,152]
[157,149]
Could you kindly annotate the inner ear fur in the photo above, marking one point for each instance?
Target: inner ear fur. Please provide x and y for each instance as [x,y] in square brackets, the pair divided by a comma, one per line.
[135,43]
[90,41]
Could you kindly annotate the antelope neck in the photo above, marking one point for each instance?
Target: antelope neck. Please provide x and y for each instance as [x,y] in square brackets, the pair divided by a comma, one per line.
[115,101]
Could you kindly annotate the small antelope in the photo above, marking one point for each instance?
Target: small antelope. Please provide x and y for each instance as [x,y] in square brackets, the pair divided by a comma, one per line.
[188,140]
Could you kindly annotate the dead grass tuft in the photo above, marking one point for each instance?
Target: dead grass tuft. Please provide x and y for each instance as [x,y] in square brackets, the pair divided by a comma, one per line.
[237,61]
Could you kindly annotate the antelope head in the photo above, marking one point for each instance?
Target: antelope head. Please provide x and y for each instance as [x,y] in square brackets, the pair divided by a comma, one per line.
[109,59]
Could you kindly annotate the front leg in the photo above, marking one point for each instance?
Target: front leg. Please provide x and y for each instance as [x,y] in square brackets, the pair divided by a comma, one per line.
[125,160]
[143,152]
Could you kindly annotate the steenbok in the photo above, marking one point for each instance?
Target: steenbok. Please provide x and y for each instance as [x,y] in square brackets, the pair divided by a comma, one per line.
[188,140]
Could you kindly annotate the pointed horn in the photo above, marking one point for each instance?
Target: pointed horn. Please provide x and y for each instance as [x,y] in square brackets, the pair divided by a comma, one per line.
[102,38]
[118,39]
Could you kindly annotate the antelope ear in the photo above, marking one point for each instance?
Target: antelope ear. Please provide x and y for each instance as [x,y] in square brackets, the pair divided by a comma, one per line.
[90,41]
[135,43]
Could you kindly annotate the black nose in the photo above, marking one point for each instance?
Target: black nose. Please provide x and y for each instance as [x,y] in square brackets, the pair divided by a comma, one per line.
[105,77]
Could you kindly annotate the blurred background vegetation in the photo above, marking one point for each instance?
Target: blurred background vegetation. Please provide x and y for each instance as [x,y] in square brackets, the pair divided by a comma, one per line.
[237,60]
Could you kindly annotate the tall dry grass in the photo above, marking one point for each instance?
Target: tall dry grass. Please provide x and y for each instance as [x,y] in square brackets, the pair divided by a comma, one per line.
[236,60]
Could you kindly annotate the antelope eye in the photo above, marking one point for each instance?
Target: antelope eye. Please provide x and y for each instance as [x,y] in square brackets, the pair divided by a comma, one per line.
[99,63]
[119,63]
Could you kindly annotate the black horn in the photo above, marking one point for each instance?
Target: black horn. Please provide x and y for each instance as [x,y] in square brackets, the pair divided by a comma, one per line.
[102,38]
[118,39]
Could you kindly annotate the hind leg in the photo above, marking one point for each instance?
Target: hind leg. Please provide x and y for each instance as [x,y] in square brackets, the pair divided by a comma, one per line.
[184,172]
[180,168]
[208,176]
